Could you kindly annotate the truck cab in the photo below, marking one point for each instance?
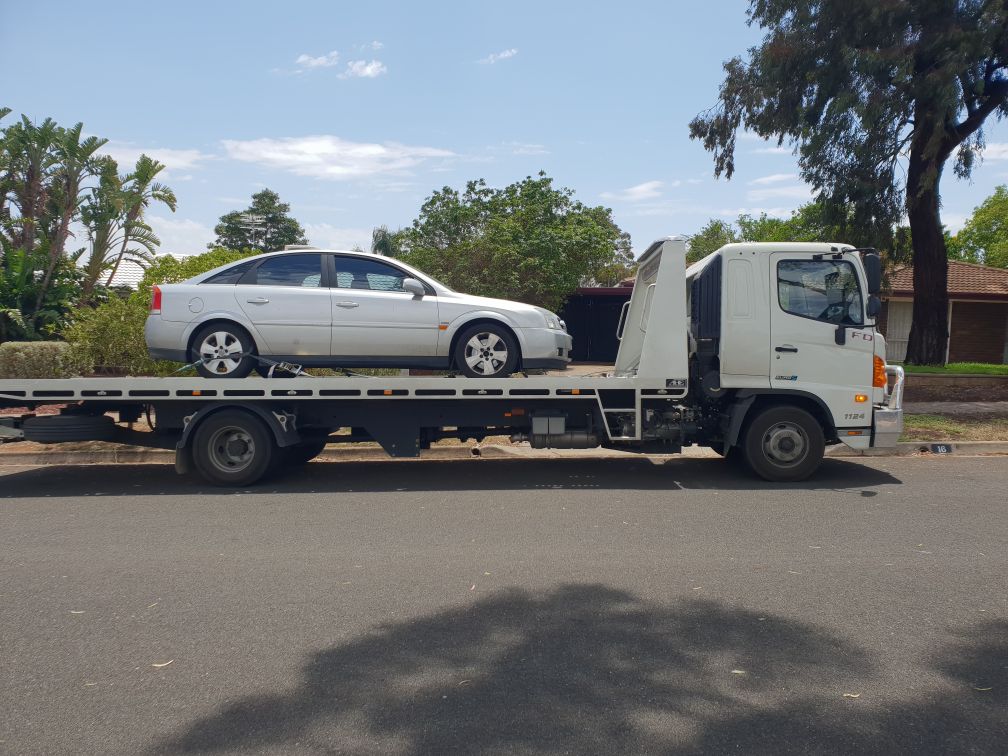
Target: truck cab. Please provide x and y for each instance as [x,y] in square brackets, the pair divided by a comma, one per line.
[791,326]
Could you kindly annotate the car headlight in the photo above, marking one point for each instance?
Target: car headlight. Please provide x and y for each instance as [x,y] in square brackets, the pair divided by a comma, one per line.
[553,322]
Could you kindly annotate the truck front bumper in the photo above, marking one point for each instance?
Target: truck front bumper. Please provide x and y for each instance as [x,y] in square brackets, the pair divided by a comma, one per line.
[887,420]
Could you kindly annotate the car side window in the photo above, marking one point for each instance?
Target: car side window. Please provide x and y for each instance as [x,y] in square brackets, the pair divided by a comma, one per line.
[290,270]
[360,273]
[232,275]
[826,290]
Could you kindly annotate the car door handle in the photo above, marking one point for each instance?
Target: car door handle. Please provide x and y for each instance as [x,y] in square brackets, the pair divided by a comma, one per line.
[347,305]
[786,348]
[258,300]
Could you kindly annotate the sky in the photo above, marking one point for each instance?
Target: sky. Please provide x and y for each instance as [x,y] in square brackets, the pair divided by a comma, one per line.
[356,112]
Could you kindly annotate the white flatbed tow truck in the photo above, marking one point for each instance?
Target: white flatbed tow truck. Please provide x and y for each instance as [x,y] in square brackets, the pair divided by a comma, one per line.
[765,351]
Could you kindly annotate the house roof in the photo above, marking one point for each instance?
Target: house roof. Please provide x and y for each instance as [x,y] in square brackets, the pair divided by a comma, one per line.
[128,274]
[965,281]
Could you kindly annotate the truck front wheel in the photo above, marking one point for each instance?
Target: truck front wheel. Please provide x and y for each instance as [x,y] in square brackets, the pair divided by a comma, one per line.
[233,448]
[784,444]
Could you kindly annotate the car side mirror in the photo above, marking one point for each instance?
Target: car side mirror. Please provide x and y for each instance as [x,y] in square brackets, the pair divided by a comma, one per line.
[873,307]
[414,287]
[873,271]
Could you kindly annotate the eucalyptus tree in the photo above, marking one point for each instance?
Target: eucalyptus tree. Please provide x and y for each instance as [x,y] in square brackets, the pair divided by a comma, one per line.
[876,98]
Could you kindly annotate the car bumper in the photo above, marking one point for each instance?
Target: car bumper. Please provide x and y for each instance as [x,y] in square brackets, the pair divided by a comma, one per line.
[165,339]
[887,420]
[545,348]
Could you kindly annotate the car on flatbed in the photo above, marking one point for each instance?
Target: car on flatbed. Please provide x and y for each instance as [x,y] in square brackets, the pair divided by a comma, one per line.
[332,308]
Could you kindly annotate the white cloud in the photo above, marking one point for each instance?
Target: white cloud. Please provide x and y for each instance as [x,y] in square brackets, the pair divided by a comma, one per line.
[639,193]
[376,45]
[774,178]
[525,148]
[362,69]
[127,153]
[494,57]
[798,192]
[775,150]
[180,236]
[996,151]
[330,157]
[954,221]
[305,61]
[328,236]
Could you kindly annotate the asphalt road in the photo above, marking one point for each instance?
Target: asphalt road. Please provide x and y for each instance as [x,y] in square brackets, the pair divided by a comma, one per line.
[481,606]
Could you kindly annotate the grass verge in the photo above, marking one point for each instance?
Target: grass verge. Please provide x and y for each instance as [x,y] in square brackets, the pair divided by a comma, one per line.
[943,428]
[959,368]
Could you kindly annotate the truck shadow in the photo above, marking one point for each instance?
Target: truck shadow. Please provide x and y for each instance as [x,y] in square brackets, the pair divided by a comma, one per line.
[592,669]
[440,475]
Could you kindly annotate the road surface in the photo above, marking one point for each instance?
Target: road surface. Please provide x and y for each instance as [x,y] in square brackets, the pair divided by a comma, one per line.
[496,606]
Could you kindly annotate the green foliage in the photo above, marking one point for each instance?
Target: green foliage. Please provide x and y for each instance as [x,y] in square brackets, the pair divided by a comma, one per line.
[265,226]
[37,359]
[386,243]
[110,337]
[710,238]
[984,238]
[527,241]
[960,368]
[23,316]
[857,87]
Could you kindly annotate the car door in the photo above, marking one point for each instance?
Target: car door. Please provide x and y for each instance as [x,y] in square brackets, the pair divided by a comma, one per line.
[374,317]
[286,300]
[813,295]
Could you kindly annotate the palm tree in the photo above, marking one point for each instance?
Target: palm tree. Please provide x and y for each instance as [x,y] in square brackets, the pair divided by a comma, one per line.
[385,242]
[76,161]
[139,191]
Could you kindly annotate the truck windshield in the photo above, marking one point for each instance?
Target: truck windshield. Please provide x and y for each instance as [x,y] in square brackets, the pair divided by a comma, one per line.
[826,290]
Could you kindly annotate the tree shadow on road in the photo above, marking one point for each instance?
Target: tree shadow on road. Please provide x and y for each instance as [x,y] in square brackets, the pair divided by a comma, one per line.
[439,475]
[590,669]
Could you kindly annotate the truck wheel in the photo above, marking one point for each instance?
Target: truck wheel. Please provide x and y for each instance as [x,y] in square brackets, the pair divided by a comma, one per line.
[784,444]
[222,348]
[233,448]
[486,351]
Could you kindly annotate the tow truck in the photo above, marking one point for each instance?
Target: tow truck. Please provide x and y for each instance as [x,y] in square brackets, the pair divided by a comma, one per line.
[766,352]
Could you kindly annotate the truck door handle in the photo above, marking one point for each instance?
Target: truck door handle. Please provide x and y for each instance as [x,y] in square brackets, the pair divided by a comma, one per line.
[347,305]
[258,300]
[786,348]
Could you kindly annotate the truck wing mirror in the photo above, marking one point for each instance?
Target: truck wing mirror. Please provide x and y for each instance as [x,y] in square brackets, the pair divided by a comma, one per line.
[874,306]
[873,271]
[414,287]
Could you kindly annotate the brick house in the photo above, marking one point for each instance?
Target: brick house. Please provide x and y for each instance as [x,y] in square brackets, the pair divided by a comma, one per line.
[977,313]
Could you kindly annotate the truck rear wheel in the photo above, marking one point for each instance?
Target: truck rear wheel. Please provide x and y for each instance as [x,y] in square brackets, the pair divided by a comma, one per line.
[233,448]
[784,444]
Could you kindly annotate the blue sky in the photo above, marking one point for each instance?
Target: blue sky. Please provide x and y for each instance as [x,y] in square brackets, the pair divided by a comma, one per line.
[355,112]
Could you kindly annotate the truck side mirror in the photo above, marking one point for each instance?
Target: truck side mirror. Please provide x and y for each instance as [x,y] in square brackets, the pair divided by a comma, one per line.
[414,287]
[874,306]
[873,271]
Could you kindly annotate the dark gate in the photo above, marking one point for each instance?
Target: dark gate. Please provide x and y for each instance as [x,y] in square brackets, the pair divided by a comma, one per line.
[592,316]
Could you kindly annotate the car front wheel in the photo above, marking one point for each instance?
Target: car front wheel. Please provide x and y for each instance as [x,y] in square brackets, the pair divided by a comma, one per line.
[223,350]
[486,351]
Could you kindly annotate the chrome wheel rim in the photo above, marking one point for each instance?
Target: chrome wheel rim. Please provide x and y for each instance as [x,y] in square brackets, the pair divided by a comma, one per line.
[486,353]
[221,352]
[231,449]
[785,444]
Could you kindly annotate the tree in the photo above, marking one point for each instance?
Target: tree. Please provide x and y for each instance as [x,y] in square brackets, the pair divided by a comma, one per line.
[385,243]
[984,238]
[714,235]
[527,241]
[264,226]
[863,90]
[138,192]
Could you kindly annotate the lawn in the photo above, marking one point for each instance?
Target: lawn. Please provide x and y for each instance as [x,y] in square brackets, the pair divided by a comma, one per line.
[960,368]
[942,428]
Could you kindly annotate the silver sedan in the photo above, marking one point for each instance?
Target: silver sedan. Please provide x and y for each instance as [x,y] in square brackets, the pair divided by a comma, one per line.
[328,308]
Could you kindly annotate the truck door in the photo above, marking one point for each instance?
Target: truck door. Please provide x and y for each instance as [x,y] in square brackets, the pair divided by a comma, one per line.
[811,296]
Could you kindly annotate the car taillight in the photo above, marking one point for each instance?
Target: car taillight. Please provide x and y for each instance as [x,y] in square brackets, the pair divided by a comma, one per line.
[878,373]
[155,302]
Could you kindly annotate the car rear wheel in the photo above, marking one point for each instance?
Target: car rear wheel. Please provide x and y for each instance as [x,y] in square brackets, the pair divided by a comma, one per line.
[486,351]
[223,351]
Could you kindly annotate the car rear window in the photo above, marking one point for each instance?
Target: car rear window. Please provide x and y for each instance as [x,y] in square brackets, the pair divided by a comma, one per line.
[231,275]
[291,270]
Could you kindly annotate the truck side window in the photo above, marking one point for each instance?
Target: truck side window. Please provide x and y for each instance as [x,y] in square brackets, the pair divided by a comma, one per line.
[826,290]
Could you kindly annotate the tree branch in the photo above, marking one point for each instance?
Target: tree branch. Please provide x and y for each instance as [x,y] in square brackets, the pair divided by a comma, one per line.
[994,96]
